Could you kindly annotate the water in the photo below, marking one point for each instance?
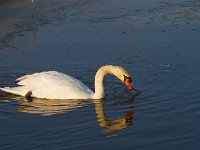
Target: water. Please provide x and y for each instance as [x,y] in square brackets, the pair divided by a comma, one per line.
[156,41]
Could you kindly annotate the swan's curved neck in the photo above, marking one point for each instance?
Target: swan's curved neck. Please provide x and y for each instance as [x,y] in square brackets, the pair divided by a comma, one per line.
[99,87]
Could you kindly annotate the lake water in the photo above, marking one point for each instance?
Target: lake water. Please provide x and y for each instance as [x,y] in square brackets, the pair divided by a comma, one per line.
[156,41]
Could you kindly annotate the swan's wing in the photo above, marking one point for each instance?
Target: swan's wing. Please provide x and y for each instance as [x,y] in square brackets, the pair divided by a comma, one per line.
[54,84]
[20,90]
[26,80]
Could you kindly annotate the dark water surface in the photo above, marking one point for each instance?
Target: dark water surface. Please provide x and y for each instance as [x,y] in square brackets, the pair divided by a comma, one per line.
[156,41]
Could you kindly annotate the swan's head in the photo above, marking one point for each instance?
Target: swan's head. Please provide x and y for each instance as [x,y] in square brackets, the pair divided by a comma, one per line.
[124,76]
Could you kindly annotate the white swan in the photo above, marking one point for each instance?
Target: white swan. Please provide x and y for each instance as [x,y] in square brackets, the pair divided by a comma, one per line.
[56,85]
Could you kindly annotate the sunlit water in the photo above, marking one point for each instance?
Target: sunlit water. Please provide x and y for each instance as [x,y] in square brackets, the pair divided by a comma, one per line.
[157,42]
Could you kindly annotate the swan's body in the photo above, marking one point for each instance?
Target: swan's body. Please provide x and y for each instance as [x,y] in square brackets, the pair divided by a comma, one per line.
[56,85]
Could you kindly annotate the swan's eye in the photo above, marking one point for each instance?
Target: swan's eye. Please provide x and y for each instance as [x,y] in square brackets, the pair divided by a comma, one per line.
[127,78]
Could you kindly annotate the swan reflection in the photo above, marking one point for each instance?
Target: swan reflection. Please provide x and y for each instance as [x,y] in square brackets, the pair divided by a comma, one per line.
[47,107]
[112,125]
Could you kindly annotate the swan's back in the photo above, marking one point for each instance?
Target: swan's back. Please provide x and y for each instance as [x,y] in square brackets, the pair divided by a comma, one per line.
[53,85]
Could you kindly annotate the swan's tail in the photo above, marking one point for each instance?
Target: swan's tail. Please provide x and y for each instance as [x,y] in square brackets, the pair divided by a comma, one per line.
[22,91]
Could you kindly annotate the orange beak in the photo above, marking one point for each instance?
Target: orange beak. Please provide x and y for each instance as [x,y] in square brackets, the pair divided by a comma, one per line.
[128,84]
